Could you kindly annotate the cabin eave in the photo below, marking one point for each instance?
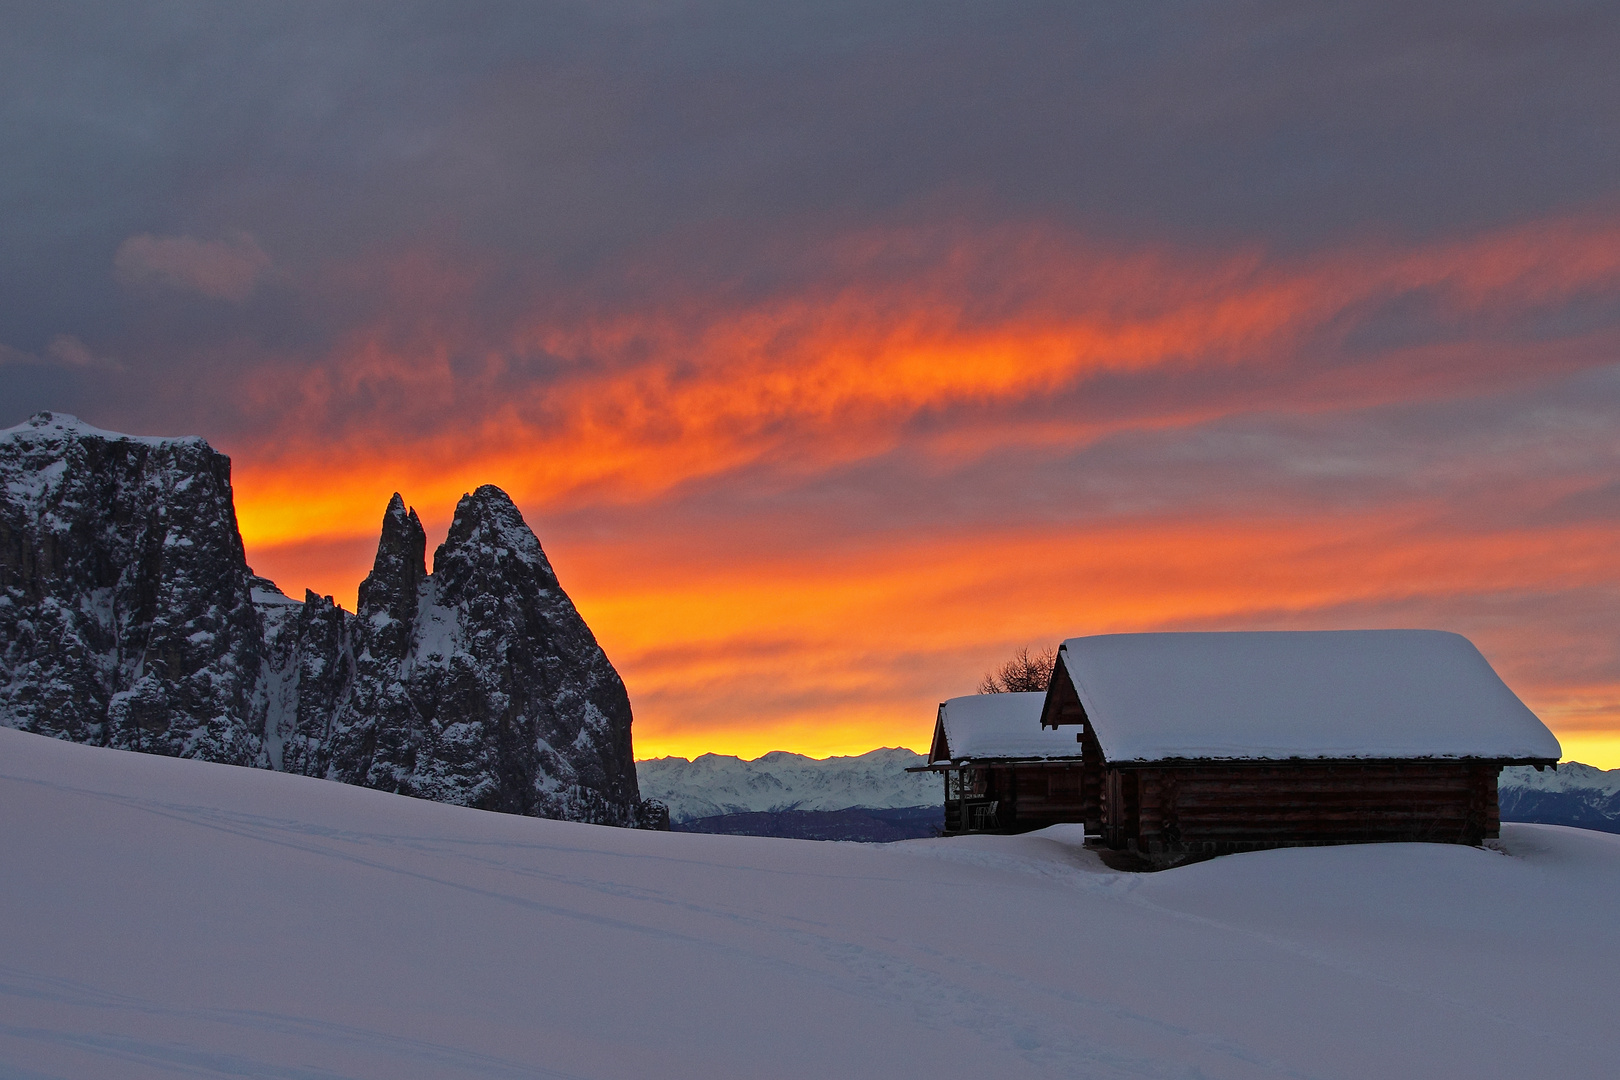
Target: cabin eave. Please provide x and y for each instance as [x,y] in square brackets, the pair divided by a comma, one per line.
[1369,759]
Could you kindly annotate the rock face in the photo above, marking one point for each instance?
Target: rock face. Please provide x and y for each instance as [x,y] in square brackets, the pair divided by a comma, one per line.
[126,617]
[129,618]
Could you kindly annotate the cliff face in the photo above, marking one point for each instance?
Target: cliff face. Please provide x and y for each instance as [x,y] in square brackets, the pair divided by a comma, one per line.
[129,618]
[126,618]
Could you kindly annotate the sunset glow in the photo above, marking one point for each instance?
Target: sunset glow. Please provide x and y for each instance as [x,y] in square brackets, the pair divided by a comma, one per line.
[682,390]
[836,352]
[813,629]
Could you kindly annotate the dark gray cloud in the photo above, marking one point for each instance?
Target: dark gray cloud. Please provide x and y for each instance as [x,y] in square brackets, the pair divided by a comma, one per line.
[553,136]
[202,190]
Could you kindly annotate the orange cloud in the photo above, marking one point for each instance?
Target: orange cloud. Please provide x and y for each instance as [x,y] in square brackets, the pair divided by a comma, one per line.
[684,387]
[948,344]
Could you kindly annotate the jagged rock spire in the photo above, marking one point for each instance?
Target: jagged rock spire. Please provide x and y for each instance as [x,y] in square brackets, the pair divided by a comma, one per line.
[543,727]
[400,567]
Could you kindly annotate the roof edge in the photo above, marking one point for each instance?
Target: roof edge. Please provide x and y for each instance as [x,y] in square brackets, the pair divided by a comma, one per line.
[1126,763]
[968,763]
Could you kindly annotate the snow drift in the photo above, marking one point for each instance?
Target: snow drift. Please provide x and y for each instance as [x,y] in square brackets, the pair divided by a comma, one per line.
[163,917]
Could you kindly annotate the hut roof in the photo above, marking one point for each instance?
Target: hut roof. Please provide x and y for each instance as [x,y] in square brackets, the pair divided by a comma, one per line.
[982,726]
[1337,694]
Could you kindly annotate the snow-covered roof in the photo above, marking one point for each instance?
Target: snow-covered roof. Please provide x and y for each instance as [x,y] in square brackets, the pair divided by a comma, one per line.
[1335,694]
[998,726]
[49,425]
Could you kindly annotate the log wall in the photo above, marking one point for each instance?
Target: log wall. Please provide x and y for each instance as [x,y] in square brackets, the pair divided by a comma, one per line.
[1237,806]
[1026,795]
[1043,795]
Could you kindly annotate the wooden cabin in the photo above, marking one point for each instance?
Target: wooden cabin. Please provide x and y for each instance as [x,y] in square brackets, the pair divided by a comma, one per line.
[1202,743]
[1003,772]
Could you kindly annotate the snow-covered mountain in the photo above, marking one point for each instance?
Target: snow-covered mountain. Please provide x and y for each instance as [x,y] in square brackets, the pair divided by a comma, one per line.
[129,618]
[1574,795]
[162,918]
[715,784]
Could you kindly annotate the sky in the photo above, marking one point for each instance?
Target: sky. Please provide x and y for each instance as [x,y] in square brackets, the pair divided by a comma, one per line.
[835,351]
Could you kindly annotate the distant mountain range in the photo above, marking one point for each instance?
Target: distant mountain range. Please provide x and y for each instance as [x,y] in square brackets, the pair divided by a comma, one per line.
[872,797]
[866,797]
[1576,795]
[716,784]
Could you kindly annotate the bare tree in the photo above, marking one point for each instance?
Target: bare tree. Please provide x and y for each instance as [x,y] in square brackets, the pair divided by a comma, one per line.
[1022,673]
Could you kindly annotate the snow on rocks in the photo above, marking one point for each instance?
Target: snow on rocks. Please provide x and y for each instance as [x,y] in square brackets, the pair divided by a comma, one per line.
[62,428]
[480,684]
[1570,777]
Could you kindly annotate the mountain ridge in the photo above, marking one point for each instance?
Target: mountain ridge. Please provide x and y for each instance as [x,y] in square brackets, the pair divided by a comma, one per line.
[715,785]
[1575,794]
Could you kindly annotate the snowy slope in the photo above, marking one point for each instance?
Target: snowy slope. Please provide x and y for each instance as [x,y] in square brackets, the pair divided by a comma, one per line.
[168,918]
[714,784]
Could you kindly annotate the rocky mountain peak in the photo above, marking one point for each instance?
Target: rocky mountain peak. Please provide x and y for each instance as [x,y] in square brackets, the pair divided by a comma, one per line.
[402,547]
[61,427]
[129,618]
[503,697]
[488,530]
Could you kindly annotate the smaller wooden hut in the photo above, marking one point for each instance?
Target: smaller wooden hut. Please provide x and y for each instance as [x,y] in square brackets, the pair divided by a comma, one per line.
[1003,771]
[1215,742]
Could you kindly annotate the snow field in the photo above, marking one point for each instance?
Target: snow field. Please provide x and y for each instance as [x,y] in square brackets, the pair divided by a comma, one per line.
[165,918]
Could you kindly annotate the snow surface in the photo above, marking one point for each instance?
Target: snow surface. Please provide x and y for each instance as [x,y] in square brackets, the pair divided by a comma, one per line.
[53,426]
[172,918]
[714,784]
[1292,694]
[1002,726]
